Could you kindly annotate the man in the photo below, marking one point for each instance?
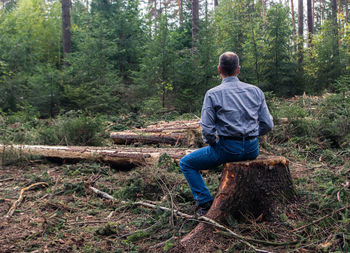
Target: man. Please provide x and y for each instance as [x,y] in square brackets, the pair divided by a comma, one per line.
[238,113]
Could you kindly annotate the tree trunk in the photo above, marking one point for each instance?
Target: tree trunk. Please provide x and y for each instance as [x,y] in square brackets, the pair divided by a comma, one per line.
[122,157]
[257,188]
[66,36]
[335,27]
[195,24]
[300,30]
[346,6]
[293,23]
[179,5]
[216,3]
[263,10]
[310,24]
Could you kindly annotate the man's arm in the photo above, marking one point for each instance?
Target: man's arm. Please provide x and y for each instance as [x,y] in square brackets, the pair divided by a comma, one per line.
[208,117]
[265,118]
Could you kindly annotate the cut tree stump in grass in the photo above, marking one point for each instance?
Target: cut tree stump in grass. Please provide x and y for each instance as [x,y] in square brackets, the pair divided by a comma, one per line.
[174,133]
[258,188]
[117,156]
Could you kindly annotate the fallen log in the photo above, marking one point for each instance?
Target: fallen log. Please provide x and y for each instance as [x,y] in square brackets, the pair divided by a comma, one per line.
[117,156]
[257,188]
[175,133]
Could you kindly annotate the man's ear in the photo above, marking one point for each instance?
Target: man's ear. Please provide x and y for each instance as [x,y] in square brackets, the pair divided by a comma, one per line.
[219,69]
[238,71]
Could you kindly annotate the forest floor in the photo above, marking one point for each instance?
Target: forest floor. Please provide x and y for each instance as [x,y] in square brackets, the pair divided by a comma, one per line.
[64,215]
[67,217]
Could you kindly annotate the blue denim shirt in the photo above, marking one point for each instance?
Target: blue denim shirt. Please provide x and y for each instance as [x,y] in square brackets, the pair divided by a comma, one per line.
[234,108]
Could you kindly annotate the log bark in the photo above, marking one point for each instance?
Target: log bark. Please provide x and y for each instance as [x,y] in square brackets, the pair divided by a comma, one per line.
[175,133]
[122,157]
[258,188]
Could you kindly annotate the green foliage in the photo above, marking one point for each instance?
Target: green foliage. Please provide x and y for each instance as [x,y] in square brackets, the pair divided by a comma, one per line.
[107,230]
[138,185]
[72,128]
[325,61]
[76,188]
[279,67]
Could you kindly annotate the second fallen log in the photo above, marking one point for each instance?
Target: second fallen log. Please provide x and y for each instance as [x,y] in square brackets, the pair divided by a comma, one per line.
[174,133]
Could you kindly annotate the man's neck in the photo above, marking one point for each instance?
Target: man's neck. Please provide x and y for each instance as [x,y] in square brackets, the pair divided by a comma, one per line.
[223,77]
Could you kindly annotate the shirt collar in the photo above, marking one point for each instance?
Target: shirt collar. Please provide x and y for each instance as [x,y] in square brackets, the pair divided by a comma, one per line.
[230,79]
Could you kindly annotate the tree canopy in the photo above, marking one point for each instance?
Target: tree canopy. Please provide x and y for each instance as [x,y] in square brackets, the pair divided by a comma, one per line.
[129,55]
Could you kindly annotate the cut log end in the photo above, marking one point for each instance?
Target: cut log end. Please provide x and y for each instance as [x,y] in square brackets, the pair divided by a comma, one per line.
[248,189]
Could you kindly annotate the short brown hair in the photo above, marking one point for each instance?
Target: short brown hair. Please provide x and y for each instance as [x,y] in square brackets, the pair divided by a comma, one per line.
[228,63]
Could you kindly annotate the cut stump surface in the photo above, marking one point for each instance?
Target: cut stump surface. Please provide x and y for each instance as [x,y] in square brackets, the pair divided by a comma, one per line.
[257,188]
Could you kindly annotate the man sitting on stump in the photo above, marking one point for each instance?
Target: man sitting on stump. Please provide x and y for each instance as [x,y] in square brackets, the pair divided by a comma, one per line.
[238,113]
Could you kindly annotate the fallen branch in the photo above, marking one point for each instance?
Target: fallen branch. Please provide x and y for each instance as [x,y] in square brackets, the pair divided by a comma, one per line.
[21,195]
[322,218]
[54,188]
[6,179]
[89,222]
[241,238]
[264,242]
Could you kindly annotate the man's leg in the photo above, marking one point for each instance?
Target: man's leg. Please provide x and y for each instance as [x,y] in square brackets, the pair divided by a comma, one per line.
[191,164]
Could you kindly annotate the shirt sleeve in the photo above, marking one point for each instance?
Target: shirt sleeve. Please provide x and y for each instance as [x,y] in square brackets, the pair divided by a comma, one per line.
[265,118]
[208,118]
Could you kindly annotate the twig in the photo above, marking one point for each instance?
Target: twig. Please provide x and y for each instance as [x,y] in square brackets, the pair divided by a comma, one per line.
[54,188]
[88,222]
[107,196]
[6,179]
[322,218]
[161,244]
[177,212]
[264,242]
[21,195]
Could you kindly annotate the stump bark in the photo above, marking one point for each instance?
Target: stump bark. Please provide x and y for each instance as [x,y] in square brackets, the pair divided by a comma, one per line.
[257,188]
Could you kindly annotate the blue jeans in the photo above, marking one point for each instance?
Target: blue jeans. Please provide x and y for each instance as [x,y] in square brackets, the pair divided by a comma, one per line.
[212,156]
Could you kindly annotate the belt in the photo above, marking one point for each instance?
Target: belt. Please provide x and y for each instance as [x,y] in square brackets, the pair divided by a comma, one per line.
[237,138]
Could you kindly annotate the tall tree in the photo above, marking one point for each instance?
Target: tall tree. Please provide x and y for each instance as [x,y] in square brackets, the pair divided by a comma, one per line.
[263,10]
[66,35]
[293,24]
[216,3]
[300,30]
[310,24]
[279,69]
[335,27]
[195,24]
[179,6]
[293,15]
[346,7]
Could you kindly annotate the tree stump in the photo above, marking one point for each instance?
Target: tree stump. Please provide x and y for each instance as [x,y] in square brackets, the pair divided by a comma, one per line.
[257,188]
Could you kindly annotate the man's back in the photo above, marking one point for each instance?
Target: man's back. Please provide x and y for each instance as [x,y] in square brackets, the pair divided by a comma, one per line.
[234,108]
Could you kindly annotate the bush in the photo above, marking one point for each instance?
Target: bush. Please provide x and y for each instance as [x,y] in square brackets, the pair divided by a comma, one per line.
[72,128]
[75,129]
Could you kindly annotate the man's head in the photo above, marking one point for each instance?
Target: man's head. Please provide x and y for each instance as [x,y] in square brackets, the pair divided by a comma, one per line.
[228,64]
